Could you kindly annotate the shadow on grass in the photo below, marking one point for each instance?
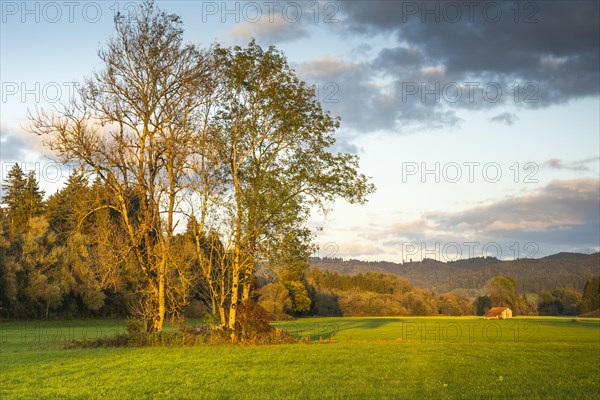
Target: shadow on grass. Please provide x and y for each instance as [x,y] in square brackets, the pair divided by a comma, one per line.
[327,328]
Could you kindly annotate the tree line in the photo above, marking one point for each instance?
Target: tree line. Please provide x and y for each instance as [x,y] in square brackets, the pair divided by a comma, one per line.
[472,274]
[388,294]
[58,258]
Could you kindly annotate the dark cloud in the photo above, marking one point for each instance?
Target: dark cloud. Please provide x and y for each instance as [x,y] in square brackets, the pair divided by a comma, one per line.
[553,43]
[535,54]
[367,104]
[506,118]
[398,57]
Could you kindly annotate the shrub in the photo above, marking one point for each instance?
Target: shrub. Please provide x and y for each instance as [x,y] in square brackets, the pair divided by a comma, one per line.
[253,320]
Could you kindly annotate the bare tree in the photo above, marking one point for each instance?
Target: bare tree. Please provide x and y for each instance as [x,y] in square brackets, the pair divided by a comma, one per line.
[134,125]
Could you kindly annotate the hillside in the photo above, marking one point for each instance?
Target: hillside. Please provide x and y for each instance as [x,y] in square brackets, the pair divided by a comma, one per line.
[532,275]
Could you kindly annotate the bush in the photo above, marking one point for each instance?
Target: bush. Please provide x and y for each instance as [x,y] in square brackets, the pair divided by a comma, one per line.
[253,320]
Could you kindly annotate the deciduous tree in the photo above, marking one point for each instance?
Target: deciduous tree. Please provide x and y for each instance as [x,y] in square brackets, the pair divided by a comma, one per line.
[133,125]
[275,141]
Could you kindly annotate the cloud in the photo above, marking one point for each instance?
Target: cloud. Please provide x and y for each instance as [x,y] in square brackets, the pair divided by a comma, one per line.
[27,149]
[344,145]
[562,215]
[327,67]
[506,118]
[432,67]
[560,203]
[270,30]
[367,101]
[579,165]
[12,147]
[552,43]
[398,58]
[17,145]
[548,55]
[277,22]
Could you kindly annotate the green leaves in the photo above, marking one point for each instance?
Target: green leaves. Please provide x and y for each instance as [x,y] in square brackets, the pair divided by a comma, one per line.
[23,198]
[276,139]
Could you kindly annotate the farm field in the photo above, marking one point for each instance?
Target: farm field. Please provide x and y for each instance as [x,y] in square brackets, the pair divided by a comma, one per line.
[386,357]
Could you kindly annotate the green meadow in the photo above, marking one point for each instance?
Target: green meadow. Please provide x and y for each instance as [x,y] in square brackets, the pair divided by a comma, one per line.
[368,358]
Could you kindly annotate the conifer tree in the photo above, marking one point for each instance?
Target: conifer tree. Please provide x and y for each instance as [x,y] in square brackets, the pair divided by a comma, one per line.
[14,189]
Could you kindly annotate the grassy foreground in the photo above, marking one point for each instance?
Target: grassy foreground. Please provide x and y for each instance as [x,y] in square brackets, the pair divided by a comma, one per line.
[393,358]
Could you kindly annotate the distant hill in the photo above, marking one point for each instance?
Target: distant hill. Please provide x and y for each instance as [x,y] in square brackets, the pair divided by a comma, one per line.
[532,275]
[563,255]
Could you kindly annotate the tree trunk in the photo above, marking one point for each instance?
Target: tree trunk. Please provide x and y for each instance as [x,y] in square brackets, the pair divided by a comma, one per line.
[233,306]
[222,315]
[235,283]
[160,318]
[248,275]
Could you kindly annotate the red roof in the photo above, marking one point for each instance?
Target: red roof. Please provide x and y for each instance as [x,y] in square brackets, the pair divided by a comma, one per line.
[494,311]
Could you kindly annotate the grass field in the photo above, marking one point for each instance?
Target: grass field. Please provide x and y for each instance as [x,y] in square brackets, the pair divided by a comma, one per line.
[394,358]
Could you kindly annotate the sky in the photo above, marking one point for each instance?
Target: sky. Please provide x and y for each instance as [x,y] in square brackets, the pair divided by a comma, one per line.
[478,121]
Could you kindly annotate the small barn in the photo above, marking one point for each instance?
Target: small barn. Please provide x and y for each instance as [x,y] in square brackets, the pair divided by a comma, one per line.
[498,313]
